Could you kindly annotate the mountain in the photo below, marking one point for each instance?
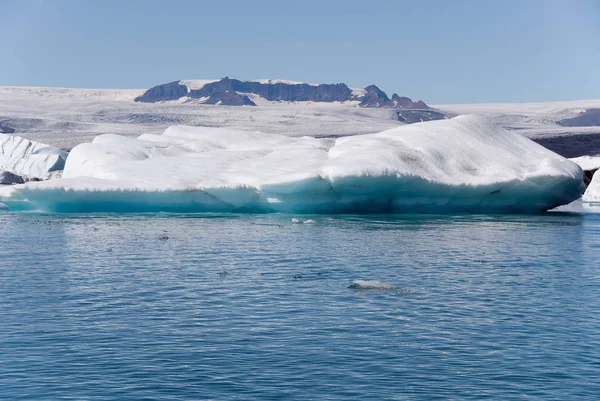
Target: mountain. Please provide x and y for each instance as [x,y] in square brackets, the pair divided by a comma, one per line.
[65,117]
[588,118]
[235,92]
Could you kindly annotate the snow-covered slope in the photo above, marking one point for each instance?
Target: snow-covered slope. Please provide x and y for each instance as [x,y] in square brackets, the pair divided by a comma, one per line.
[588,163]
[530,119]
[25,93]
[466,164]
[29,159]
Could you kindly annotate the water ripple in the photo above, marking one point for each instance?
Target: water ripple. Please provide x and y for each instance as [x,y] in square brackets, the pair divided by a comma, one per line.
[99,308]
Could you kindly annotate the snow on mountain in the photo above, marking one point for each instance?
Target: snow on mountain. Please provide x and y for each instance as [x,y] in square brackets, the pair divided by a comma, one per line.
[234,92]
[466,164]
[358,92]
[196,83]
[279,81]
[29,159]
[65,117]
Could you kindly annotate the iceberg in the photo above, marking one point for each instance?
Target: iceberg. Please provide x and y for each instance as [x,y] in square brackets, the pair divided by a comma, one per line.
[592,193]
[466,164]
[589,165]
[29,159]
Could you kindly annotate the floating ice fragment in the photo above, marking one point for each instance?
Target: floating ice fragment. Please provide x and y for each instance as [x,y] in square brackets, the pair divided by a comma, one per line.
[372,285]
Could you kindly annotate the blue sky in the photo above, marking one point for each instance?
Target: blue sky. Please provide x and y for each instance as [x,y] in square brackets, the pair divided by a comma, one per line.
[439,51]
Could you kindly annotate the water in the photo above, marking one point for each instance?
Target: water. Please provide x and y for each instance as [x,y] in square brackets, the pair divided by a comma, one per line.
[252,307]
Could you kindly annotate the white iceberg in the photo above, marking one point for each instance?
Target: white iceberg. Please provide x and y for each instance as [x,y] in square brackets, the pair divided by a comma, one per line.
[592,193]
[29,159]
[466,164]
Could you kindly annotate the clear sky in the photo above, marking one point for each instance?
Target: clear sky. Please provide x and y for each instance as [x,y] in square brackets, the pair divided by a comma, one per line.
[458,51]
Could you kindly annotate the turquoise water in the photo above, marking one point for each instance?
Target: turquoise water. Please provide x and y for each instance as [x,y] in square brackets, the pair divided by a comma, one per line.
[252,307]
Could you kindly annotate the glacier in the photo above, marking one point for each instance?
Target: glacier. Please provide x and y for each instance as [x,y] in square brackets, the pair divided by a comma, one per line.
[30,159]
[465,164]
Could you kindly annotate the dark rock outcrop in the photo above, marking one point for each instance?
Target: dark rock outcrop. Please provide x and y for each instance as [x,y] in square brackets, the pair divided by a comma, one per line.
[587,176]
[572,145]
[5,129]
[377,98]
[374,97]
[589,118]
[171,91]
[8,178]
[277,91]
[411,116]
[402,102]
[229,98]
[233,92]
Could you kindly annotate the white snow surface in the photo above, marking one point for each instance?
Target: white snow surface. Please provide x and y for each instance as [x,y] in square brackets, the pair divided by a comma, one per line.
[16,93]
[196,83]
[534,120]
[358,92]
[29,159]
[466,164]
[587,162]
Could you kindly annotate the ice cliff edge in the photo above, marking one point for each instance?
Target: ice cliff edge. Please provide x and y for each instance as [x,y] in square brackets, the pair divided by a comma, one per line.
[32,160]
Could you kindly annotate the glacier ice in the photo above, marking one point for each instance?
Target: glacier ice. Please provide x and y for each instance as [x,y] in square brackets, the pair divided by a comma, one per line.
[466,164]
[587,162]
[590,164]
[29,159]
[592,193]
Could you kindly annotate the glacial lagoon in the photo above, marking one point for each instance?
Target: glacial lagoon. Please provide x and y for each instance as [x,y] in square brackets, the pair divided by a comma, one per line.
[254,307]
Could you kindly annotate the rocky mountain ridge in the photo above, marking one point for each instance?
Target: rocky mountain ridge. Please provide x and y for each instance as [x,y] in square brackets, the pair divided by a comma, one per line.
[235,92]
